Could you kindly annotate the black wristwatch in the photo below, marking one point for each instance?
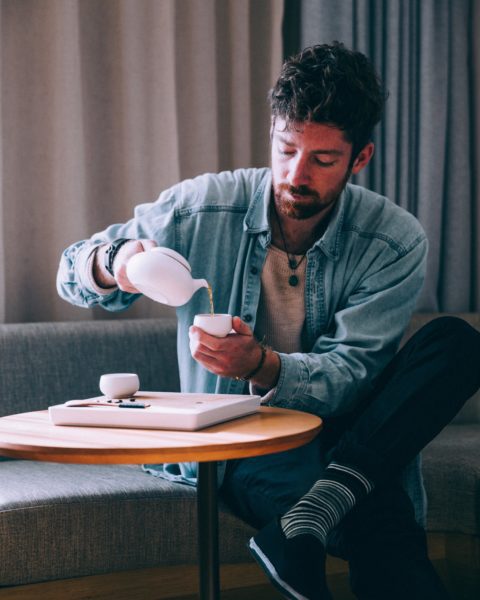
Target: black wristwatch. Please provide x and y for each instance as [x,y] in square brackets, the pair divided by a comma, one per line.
[111,253]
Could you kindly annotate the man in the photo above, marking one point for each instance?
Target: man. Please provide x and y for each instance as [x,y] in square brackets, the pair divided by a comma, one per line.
[326,274]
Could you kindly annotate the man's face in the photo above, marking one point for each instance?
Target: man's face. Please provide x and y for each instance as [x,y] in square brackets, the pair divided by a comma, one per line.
[310,167]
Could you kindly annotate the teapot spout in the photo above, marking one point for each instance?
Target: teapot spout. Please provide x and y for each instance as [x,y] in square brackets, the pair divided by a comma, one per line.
[199,283]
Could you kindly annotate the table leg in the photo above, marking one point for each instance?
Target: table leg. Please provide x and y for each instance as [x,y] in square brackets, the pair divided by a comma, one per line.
[207,512]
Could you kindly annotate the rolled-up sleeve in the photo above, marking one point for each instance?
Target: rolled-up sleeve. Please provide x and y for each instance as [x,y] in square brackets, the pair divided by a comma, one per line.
[75,282]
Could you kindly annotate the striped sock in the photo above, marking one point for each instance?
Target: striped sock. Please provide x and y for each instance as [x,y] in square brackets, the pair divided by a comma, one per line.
[327,502]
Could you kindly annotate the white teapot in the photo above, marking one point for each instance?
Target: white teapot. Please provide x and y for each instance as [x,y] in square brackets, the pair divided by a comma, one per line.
[163,275]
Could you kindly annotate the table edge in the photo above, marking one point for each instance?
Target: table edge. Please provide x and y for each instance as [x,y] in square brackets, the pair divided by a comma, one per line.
[200,453]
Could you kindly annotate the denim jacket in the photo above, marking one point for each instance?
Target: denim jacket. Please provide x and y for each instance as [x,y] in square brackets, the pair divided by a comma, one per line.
[361,283]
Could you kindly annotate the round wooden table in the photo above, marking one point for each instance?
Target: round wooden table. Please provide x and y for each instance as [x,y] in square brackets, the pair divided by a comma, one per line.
[32,436]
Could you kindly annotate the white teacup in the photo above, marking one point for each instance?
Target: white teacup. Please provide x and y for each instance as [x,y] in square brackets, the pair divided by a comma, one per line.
[217,324]
[119,385]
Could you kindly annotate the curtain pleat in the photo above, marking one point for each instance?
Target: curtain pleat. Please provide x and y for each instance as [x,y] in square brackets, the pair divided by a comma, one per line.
[425,146]
[107,103]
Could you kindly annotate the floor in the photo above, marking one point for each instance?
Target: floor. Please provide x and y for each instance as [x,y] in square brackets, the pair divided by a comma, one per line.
[338,585]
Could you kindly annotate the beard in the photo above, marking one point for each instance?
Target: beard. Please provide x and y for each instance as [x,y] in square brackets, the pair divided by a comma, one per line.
[302,202]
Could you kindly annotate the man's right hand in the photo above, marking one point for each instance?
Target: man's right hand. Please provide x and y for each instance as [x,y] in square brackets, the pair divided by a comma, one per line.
[124,254]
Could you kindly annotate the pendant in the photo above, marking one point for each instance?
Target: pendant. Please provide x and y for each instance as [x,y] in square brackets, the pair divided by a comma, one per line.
[293,280]
[293,263]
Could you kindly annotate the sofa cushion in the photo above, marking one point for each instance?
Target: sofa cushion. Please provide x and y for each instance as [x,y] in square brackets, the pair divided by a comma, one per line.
[451,467]
[60,521]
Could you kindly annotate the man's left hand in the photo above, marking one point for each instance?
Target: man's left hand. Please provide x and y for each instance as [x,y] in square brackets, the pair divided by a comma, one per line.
[235,355]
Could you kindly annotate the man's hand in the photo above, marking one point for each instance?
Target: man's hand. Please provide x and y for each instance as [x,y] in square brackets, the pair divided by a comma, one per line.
[125,253]
[235,355]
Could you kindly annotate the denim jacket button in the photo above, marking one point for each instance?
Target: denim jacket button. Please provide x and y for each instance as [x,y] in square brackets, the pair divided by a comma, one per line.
[254,270]
[247,318]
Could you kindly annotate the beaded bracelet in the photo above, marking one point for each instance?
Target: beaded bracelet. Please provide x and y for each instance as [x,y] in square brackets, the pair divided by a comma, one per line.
[263,348]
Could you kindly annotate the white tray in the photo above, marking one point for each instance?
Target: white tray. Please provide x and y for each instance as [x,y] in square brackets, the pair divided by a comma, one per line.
[167,410]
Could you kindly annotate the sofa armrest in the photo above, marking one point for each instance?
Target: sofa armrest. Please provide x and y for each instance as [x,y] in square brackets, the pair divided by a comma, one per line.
[470,413]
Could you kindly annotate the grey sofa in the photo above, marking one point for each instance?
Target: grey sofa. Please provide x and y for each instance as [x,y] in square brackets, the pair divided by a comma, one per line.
[95,531]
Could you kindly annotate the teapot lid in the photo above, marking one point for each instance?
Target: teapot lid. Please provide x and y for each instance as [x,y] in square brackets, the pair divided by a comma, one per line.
[173,254]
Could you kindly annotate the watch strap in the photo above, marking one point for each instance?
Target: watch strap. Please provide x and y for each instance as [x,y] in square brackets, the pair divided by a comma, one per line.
[111,252]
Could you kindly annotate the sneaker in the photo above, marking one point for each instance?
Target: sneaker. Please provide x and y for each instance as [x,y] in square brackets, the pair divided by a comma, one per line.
[295,566]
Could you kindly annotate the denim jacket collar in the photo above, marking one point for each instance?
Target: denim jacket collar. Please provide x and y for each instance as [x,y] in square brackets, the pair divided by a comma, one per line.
[330,242]
[256,220]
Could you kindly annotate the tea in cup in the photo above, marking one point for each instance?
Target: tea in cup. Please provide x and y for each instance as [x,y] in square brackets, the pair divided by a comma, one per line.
[215,324]
[119,385]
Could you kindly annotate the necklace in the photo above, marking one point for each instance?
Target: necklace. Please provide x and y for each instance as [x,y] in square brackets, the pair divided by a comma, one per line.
[292,261]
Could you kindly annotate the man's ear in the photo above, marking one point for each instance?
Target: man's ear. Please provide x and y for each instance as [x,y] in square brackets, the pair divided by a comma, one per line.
[363,158]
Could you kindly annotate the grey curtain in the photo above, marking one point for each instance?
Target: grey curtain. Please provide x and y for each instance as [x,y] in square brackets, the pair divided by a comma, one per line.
[427,54]
[104,104]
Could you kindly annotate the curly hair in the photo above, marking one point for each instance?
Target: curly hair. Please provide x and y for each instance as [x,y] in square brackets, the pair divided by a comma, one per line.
[331,84]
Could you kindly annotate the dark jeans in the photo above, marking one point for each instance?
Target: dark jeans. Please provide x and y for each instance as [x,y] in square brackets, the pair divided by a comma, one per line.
[419,392]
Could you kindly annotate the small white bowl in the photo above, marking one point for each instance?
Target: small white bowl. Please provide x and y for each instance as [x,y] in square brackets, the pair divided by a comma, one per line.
[119,385]
[217,324]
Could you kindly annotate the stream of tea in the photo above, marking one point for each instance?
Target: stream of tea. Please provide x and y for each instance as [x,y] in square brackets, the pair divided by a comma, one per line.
[210,297]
